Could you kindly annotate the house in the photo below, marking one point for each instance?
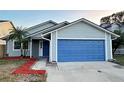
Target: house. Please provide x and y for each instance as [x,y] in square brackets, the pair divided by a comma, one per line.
[112,23]
[81,40]
[5,28]
[112,27]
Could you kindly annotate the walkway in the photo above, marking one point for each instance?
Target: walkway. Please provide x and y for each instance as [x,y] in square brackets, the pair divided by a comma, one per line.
[40,65]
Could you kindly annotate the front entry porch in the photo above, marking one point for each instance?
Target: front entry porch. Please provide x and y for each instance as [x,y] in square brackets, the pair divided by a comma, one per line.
[39,48]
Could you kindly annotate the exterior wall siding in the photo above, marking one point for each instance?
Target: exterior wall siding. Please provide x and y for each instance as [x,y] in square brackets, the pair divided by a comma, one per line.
[122,28]
[79,30]
[114,27]
[35,48]
[11,51]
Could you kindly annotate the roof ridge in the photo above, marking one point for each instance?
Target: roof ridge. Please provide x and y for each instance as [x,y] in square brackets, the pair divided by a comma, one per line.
[5,21]
[43,23]
[65,22]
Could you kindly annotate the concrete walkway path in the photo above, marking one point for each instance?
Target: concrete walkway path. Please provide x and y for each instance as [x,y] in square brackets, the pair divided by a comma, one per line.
[40,65]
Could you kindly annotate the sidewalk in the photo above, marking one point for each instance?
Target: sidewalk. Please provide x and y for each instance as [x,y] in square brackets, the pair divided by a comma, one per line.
[40,65]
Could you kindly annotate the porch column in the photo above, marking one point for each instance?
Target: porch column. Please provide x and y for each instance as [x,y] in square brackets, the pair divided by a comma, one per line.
[30,48]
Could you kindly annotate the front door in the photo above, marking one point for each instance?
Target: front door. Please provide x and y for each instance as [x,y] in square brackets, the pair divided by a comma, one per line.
[40,48]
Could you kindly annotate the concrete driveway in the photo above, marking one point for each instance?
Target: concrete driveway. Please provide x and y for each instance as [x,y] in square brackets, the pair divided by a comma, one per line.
[86,72]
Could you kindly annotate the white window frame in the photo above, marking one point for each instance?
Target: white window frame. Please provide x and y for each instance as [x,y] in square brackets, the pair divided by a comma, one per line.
[14,46]
[18,49]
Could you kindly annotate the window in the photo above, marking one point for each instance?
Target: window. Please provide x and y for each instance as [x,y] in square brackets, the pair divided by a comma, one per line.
[17,45]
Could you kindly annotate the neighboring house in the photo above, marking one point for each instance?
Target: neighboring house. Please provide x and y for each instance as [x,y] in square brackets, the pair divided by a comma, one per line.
[80,40]
[114,26]
[5,28]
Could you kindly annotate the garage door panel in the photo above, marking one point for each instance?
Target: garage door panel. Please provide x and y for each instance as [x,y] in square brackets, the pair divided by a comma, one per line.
[81,50]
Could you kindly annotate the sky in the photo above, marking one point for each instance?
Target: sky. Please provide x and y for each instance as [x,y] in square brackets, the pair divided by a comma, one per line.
[27,18]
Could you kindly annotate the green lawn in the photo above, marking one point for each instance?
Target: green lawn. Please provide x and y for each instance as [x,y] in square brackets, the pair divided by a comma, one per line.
[120,59]
[6,68]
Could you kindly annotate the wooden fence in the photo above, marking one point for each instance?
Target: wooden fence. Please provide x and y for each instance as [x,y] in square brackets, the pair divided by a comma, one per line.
[2,51]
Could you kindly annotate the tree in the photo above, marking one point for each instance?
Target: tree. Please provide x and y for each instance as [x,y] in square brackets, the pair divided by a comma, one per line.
[18,34]
[114,18]
[119,41]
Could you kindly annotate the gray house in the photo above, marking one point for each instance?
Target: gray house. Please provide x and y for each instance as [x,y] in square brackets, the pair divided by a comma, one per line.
[112,27]
[80,40]
[114,22]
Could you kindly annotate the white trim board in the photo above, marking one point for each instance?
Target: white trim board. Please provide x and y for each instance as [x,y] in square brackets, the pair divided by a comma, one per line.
[106,48]
[111,47]
[84,38]
[30,48]
[50,51]
[56,46]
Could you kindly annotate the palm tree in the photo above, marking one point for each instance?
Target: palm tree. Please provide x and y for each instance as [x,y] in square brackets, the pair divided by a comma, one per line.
[18,34]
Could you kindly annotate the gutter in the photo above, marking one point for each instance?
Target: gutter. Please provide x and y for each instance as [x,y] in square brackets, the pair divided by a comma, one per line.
[45,38]
[114,38]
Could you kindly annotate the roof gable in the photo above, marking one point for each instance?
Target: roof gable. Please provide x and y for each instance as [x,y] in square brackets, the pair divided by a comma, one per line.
[80,30]
[88,22]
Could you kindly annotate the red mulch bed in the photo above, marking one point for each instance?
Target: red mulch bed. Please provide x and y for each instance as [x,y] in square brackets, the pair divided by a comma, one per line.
[25,68]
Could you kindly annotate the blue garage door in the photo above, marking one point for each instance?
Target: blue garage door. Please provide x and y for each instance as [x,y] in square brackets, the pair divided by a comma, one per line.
[80,50]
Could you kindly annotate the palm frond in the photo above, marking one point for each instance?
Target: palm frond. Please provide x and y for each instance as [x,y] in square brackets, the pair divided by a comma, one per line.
[18,34]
